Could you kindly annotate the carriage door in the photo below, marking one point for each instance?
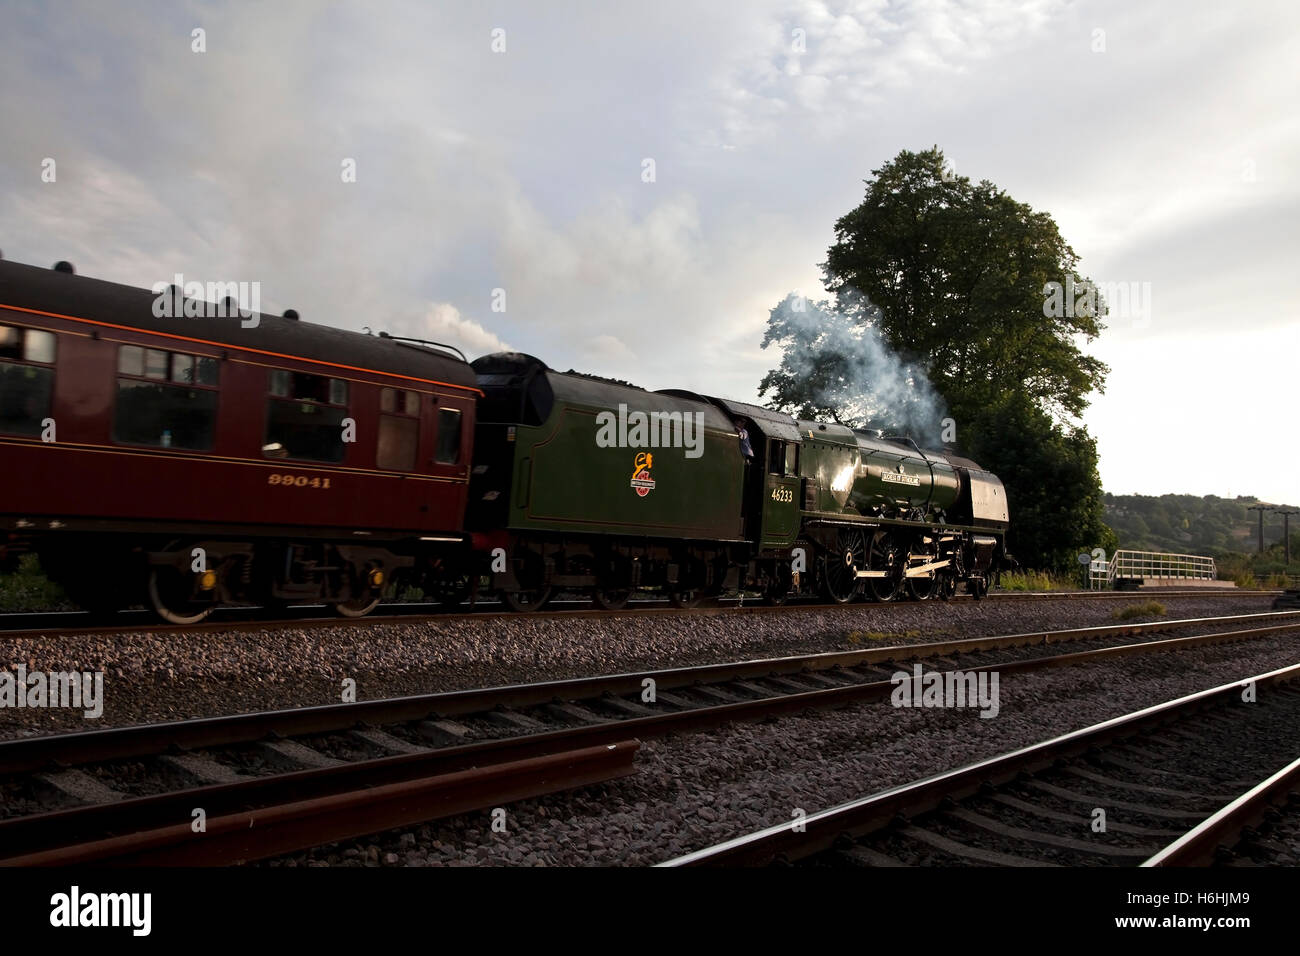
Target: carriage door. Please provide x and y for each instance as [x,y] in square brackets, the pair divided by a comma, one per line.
[449,428]
[781,494]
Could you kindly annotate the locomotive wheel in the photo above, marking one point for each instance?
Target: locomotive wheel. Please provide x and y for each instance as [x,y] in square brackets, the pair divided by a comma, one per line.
[689,590]
[840,566]
[612,594]
[685,598]
[778,591]
[883,556]
[530,571]
[922,589]
[452,591]
[524,601]
[947,587]
[611,599]
[169,595]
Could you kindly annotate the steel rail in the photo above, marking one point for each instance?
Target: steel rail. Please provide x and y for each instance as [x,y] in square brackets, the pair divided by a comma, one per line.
[1198,845]
[820,831]
[356,808]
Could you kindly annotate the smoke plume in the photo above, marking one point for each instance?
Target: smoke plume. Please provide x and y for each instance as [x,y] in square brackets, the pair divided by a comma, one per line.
[838,366]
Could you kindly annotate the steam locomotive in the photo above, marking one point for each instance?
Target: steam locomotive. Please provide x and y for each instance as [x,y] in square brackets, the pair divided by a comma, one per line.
[204,456]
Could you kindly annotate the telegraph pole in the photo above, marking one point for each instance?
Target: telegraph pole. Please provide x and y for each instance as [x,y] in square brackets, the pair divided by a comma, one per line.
[1261,509]
[1286,531]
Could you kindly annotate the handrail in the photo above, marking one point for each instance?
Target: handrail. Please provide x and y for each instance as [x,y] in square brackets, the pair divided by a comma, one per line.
[1136,565]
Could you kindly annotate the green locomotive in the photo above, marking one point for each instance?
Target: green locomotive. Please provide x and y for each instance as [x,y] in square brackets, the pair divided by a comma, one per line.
[588,484]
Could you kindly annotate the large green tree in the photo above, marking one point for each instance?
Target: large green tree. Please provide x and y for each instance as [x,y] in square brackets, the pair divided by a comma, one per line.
[955,278]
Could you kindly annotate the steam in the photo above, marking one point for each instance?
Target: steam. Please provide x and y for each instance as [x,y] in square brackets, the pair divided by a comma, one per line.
[840,366]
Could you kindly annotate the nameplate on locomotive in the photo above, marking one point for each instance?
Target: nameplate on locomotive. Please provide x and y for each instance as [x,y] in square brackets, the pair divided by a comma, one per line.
[900,479]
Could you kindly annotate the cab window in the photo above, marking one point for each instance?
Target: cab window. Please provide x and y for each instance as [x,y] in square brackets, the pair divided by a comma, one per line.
[775,457]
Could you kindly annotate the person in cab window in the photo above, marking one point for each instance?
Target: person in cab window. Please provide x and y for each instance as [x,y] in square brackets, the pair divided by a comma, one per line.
[745,448]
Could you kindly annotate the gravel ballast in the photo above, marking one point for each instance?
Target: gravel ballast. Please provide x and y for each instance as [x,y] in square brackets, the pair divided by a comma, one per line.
[153,676]
[694,790]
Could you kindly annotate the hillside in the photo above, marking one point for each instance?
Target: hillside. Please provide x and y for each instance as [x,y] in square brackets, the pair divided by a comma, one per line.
[1188,524]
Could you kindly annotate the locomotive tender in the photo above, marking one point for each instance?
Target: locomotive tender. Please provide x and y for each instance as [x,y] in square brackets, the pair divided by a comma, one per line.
[192,462]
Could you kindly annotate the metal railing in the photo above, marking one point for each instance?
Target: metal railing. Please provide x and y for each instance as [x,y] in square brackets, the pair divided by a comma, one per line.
[1134,565]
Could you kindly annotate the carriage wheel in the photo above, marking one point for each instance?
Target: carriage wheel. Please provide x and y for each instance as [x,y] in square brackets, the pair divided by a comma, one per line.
[169,595]
[359,606]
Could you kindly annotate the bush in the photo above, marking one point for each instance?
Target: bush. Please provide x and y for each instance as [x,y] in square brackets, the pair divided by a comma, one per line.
[1035,581]
[28,589]
[1145,609]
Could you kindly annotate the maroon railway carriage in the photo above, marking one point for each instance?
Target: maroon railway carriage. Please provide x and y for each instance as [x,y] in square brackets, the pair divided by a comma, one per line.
[189,462]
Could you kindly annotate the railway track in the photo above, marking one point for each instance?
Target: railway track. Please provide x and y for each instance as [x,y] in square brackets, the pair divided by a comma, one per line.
[1163,786]
[312,616]
[268,783]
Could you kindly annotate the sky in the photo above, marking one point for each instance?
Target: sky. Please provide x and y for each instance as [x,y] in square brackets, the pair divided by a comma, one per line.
[629,188]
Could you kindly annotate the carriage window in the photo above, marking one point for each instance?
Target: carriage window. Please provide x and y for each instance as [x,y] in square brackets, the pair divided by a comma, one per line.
[38,346]
[400,401]
[25,389]
[130,360]
[157,404]
[155,363]
[182,368]
[207,371]
[448,436]
[304,417]
[11,343]
[309,388]
[165,416]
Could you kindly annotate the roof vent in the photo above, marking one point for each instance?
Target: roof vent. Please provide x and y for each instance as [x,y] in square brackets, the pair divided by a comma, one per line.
[291,314]
[63,265]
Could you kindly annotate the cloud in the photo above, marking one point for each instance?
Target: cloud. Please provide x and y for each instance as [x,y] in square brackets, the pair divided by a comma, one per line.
[442,322]
[521,170]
